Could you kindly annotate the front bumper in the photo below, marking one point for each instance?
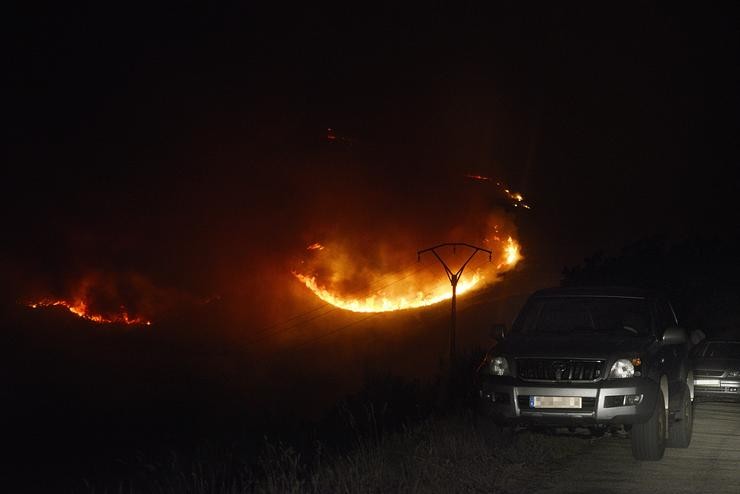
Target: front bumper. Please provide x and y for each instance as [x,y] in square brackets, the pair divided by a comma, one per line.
[508,400]
[717,387]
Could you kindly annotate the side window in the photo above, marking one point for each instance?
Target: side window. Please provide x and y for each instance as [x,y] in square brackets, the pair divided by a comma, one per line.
[665,315]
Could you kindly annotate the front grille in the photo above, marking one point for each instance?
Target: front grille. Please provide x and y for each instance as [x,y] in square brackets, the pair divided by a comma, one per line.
[529,369]
[709,373]
[588,403]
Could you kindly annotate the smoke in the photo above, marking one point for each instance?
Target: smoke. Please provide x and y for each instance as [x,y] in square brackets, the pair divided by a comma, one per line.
[239,232]
[370,225]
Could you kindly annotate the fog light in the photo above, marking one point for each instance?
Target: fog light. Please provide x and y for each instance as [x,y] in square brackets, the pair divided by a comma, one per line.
[632,399]
[500,397]
[622,400]
[613,401]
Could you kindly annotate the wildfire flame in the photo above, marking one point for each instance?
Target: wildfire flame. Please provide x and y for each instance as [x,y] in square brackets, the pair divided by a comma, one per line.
[375,303]
[413,289]
[80,308]
[480,178]
[516,197]
[512,255]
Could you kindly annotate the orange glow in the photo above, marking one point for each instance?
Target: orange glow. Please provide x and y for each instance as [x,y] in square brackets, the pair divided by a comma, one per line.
[334,275]
[516,197]
[380,303]
[79,308]
[512,252]
[480,178]
[315,246]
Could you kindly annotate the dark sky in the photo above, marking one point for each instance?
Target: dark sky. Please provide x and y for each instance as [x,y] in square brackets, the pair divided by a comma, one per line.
[188,142]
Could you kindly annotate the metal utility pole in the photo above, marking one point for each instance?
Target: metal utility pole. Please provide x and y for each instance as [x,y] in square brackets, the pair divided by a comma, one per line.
[454,278]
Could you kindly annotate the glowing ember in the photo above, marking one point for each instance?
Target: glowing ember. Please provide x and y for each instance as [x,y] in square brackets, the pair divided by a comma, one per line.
[516,197]
[399,290]
[315,246]
[79,308]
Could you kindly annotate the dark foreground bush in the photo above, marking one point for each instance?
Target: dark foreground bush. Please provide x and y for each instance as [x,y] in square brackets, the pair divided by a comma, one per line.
[453,454]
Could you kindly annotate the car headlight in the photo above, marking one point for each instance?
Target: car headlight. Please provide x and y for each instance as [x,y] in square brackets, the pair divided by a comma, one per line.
[733,373]
[622,368]
[498,366]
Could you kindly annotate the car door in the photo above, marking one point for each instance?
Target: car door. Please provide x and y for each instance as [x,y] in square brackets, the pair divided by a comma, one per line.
[676,356]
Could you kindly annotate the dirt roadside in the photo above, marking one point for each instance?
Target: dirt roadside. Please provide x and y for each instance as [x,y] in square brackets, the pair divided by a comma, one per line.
[711,464]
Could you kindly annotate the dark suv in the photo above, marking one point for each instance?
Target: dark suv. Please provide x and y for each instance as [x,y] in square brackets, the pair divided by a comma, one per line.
[595,358]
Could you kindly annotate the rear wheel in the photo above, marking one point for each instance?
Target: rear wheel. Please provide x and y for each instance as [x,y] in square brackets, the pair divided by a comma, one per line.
[648,439]
[679,432]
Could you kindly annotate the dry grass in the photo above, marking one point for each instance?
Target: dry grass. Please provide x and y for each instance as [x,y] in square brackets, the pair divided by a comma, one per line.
[442,455]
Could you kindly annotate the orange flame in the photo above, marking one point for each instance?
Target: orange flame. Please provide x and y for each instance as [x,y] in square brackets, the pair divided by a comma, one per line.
[516,197]
[480,178]
[511,254]
[412,288]
[79,308]
[379,303]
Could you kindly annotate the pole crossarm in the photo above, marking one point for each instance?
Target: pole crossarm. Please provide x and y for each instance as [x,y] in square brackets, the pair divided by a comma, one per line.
[454,277]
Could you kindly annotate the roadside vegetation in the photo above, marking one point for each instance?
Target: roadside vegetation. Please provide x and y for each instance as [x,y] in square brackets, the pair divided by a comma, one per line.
[393,436]
[439,455]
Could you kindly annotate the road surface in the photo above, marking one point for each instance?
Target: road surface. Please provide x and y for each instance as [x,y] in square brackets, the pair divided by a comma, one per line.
[711,464]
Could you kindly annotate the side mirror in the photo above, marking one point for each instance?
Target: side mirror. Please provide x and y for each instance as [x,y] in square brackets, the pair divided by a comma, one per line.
[674,336]
[696,336]
[498,332]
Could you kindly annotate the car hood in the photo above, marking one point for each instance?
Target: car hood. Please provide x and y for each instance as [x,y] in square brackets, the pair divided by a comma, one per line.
[577,345]
[717,364]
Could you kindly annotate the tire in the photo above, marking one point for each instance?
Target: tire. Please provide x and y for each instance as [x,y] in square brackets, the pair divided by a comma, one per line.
[649,438]
[680,431]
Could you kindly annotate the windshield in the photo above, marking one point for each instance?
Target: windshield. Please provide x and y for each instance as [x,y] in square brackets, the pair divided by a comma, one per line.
[553,315]
[721,349]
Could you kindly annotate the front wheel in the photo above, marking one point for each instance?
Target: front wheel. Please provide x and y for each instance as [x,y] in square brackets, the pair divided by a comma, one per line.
[679,432]
[648,439]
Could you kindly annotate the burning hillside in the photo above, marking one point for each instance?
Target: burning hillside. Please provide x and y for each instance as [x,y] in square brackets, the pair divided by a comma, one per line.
[108,298]
[80,308]
[335,277]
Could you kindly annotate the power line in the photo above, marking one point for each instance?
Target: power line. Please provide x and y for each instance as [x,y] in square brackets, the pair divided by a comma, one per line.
[297,316]
[334,331]
[277,327]
[309,341]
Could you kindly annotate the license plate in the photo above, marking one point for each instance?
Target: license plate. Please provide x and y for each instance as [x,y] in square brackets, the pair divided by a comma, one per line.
[707,382]
[554,402]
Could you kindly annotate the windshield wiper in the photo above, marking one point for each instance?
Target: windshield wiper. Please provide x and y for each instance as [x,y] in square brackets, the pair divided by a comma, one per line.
[584,329]
[577,329]
[630,329]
